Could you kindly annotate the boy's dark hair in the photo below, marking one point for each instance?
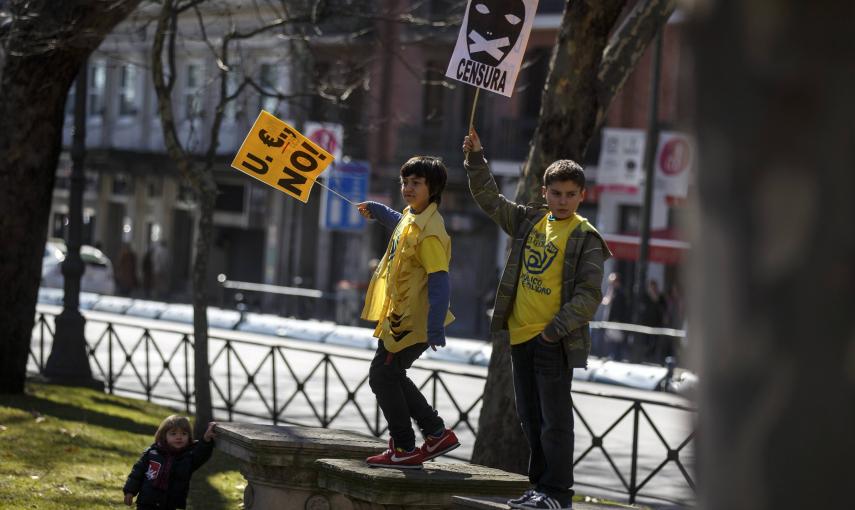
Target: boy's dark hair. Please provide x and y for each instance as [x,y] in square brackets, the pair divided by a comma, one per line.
[175,421]
[433,171]
[564,170]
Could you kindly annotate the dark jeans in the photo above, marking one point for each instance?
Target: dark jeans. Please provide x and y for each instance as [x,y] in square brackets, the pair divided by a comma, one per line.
[399,398]
[542,382]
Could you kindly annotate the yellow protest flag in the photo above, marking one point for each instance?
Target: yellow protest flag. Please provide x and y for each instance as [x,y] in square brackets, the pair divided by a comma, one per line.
[280,156]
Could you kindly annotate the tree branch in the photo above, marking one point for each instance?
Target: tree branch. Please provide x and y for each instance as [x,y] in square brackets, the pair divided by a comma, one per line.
[626,46]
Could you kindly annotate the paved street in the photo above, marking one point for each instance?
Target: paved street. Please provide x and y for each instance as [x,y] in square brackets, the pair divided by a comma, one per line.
[269,373]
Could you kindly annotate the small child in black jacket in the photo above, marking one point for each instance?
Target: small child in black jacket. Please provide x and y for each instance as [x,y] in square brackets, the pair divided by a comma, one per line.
[161,476]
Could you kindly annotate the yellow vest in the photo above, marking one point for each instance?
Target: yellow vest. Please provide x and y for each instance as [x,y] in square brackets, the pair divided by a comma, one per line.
[398,296]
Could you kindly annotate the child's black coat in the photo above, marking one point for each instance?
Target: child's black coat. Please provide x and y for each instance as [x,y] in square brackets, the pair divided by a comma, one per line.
[141,479]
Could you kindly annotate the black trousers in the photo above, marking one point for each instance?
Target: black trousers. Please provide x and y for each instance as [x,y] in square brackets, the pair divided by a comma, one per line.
[399,398]
[542,381]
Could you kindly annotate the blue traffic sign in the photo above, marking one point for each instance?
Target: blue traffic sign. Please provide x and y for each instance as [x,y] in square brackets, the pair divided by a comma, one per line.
[351,180]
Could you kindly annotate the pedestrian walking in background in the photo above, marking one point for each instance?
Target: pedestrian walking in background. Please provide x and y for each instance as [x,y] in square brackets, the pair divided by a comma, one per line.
[160,270]
[408,297]
[161,476]
[147,273]
[126,270]
[548,293]
[652,313]
[617,310]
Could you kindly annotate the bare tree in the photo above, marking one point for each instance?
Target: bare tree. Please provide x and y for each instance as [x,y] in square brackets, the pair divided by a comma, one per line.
[44,45]
[298,24]
[774,247]
[596,51]
[199,174]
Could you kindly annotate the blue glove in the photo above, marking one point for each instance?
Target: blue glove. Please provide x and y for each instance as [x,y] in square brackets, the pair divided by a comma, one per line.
[439,293]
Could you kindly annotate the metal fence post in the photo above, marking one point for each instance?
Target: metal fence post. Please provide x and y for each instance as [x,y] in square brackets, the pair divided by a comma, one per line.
[636,407]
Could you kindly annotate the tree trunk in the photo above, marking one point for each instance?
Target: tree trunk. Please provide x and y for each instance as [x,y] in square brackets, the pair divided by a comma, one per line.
[773,272]
[570,105]
[202,181]
[45,46]
[202,370]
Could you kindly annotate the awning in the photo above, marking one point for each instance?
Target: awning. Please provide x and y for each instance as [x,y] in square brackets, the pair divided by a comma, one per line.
[663,251]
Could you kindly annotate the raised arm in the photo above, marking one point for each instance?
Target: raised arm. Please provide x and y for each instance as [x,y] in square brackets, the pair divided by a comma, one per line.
[386,216]
[482,185]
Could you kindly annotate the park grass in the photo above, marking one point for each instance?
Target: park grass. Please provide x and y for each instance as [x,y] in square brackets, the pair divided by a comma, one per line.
[72,448]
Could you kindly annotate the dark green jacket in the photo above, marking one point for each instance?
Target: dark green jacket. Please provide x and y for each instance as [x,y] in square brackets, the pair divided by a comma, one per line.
[581,288]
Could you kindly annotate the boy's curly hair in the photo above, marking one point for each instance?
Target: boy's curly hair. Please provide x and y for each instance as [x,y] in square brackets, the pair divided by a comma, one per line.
[432,169]
[564,170]
[175,421]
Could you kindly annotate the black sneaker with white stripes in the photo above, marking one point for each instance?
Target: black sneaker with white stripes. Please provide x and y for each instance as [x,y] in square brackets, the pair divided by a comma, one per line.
[527,495]
[544,501]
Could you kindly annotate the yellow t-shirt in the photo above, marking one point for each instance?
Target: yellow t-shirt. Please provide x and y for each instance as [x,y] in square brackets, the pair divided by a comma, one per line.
[538,296]
[432,255]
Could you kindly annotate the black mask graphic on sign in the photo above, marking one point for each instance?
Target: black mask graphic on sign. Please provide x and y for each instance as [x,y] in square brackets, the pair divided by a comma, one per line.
[493,28]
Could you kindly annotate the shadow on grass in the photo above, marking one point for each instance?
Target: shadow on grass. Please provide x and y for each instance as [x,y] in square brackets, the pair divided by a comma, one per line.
[203,495]
[70,412]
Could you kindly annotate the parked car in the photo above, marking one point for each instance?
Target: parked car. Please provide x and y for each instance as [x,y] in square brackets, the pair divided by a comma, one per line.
[97,273]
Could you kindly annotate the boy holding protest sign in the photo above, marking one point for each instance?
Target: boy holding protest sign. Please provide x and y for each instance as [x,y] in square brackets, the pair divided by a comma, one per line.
[549,291]
[408,297]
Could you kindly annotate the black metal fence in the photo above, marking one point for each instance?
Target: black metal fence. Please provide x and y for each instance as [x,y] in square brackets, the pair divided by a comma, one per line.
[281,383]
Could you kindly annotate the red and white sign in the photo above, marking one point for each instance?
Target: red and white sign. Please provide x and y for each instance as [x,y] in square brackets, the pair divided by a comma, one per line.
[674,164]
[327,136]
[663,251]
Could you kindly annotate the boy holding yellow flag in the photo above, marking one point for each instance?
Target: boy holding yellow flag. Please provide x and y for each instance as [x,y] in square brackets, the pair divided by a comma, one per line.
[408,297]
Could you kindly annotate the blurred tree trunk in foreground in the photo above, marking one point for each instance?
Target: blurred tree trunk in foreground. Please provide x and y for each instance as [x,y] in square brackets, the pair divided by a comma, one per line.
[44,44]
[773,277]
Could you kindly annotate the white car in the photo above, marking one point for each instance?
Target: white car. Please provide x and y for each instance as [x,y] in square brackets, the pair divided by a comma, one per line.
[97,273]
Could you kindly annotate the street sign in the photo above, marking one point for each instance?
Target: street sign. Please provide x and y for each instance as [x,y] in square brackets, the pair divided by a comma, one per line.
[621,160]
[326,135]
[351,180]
[674,164]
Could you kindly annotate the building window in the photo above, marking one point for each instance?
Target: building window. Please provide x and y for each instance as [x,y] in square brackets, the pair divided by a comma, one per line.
[155,187]
[269,81]
[123,184]
[128,90]
[630,219]
[97,86]
[234,108]
[69,101]
[192,91]
[231,198]
[434,93]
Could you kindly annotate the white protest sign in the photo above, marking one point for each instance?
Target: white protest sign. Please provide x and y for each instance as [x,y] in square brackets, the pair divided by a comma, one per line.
[491,44]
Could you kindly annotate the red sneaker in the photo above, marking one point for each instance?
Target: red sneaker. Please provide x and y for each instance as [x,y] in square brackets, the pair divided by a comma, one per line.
[397,458]
[436,446]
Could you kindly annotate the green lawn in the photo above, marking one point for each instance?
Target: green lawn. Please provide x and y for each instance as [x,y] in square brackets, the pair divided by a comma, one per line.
[72,448]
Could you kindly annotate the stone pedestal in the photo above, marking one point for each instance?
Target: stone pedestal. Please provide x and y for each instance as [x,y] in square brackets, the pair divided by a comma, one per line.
[496,503]
[278,463]
[431,488]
